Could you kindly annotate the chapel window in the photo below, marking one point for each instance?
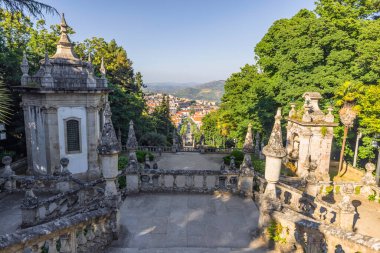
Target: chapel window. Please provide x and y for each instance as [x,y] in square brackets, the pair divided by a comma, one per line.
[73,136]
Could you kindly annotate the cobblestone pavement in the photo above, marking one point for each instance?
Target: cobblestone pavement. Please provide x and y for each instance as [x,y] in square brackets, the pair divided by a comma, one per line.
[190,161]
[187,220]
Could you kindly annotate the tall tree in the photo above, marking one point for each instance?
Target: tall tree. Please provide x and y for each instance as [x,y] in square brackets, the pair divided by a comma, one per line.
[32,7]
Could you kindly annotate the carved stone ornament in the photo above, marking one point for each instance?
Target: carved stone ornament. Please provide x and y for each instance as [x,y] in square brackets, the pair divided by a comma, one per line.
[275,147]
[131,141]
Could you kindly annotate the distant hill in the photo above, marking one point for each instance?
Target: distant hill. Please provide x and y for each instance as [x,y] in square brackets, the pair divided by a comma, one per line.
[212,91]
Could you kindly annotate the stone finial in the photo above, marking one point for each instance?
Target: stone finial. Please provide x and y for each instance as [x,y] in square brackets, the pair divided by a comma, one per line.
[7,160]
[368,178]
[64,46]
[329,117]
[102,69]
[108,143]
[275,147]
[248,143]
[232,163]
[306,117]
[292,111]
[312,99]
[132,141]
[257,143]
[64,163]
[24,65]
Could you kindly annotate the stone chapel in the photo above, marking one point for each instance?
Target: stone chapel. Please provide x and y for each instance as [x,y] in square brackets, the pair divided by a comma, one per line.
[63,109]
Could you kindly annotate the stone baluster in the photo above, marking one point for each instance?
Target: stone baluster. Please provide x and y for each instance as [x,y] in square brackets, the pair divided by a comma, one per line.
[52,244]
[311,179]
[66,246]
[81,241]
[174,182]
[347,210]
[8,173]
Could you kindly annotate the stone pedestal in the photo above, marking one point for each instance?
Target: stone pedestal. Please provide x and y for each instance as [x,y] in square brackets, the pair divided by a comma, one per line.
[109,164]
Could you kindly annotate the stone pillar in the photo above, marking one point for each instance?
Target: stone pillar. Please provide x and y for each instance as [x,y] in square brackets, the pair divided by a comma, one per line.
[28,139]
[347,210]
[51,137]
[109,150]
[311,179]
[92,114]
[274,152]
[64,185]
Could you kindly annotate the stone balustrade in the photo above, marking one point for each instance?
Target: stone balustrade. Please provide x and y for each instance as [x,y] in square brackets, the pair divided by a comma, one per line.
[308,235]
[300,202]
[167,149]
[40,183]
[87,197]
[198,181]
[84,232]
[360,189]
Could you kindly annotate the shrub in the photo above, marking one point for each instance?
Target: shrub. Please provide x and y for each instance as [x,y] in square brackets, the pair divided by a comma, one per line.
[239,156]
[123,162]
[141,155]
[276,230]
[153,139]
[258,164]
[7,153]
[337,189]
[357,190]
[329,189]
[372,197]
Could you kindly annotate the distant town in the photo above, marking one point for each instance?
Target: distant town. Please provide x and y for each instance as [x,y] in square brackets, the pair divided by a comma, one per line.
[181,108]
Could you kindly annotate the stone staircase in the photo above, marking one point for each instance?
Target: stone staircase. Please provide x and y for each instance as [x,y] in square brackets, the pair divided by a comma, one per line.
[186,250]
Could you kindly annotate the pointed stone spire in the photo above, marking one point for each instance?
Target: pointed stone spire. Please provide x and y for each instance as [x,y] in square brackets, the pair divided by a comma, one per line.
[275,147]
[103,69]
[47,79]
[91,81]
[64,45]
[132,141]
[24,69]
[248,143]
[108,143]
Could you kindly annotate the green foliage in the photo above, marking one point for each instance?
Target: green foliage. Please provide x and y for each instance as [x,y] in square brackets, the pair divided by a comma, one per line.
[276,232]
[323,131]
[31,7]
[329,189]
[337,189]
[258,164]
[7,153]
[312,51]
[123,162]
[239,157]
[357,190]
[141,156]
[153,139]
[372,197]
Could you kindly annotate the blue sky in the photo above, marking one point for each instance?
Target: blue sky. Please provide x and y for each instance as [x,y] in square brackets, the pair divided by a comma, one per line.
[179,40]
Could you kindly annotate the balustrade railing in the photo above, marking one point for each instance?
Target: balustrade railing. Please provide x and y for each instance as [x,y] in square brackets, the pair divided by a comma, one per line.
[34,211]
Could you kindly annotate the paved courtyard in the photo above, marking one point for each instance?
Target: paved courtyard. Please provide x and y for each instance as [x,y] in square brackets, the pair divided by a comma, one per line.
[190,161]
[186,220]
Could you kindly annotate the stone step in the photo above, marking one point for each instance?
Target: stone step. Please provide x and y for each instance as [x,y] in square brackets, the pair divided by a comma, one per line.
[185,250]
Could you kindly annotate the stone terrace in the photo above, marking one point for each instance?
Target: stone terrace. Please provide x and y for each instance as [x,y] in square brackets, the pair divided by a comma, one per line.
[200,223]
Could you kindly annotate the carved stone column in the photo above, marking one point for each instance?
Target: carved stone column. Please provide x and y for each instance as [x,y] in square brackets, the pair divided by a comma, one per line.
[347,210]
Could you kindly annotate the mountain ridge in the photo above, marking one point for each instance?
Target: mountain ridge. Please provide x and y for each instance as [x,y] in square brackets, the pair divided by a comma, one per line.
[212,91]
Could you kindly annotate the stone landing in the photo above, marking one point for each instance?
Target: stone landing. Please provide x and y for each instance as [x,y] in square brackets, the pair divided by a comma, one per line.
[187,223]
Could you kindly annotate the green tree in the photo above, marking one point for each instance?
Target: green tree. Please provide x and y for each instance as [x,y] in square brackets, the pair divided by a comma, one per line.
[34,8]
